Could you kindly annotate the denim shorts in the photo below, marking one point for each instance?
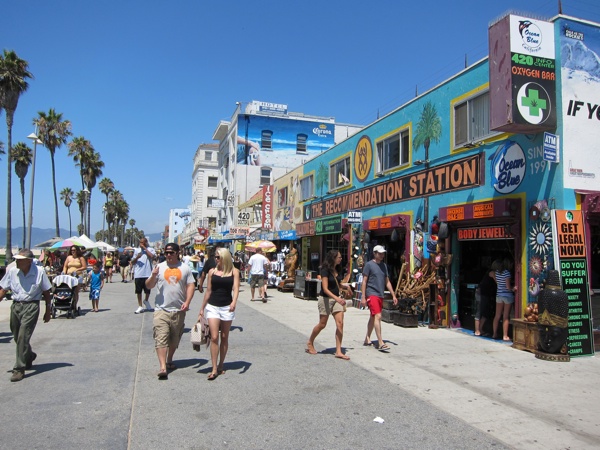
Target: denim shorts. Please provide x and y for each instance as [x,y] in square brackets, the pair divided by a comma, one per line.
[506,300]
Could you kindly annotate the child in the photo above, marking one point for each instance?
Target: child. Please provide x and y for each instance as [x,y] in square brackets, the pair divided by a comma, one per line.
[96,285]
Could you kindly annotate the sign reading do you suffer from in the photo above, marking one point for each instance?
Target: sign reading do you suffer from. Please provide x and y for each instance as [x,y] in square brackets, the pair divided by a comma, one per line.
[570,254]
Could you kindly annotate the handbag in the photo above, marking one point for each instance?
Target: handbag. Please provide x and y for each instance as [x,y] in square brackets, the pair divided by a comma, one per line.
[199,334]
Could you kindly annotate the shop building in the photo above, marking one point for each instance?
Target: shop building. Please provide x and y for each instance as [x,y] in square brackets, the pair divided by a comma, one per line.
[482,162]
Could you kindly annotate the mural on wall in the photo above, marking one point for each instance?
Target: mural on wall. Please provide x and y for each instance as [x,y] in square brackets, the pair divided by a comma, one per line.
[288,210]
[540,245]
[580,77]
[429,128]
[322,179]
[280,142]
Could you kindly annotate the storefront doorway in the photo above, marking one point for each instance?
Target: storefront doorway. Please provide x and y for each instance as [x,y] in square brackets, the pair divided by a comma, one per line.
[476,257]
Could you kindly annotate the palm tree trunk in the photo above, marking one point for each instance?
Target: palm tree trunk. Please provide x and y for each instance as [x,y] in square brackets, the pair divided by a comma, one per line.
[89,212]
[69,209]
[8,254]
[55,197]
[22,180]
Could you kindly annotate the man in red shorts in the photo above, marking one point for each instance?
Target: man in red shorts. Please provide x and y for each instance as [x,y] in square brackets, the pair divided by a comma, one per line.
[375,281]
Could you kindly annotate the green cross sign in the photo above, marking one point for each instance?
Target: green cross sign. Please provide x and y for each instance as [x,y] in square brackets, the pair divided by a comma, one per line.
[534,102]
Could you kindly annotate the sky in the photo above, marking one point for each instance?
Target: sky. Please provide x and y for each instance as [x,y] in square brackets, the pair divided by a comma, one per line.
[148,81]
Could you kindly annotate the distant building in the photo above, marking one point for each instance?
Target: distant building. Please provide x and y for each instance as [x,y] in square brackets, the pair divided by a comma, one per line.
[262,142]
[178,218]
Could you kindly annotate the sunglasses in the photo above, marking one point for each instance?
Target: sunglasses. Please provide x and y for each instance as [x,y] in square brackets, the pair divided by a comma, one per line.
[217,257]
[169,253]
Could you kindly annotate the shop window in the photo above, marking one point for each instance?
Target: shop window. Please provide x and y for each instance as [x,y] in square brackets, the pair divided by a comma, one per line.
[472,120]
[265,176]
[307,187]
[266,140]
[393,151]
[301,143]
[339,174]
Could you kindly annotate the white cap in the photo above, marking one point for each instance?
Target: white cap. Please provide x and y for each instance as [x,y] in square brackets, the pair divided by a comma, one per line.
[379,249]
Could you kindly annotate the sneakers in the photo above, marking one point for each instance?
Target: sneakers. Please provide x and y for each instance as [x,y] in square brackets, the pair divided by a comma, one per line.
[148,306]
[140,310]
[17,375]
[29,365]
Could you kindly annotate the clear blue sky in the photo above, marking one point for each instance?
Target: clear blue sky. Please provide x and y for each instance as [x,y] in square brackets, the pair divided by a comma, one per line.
[148,81]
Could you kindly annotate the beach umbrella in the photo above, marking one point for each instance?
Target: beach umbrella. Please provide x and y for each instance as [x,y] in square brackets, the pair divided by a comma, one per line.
[266,246]
[49,242]
[67,243]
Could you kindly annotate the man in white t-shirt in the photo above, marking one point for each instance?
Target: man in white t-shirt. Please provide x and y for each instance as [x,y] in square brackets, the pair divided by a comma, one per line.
[258,262]
[142,269]
[176,286]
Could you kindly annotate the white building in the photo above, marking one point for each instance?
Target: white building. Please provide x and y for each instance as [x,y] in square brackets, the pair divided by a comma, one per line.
[206,201]
[178,218]
[262,142]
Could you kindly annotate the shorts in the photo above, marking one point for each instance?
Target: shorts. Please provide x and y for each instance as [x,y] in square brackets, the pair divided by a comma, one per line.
[168,328]
[94,294]
[140,285]
[505,300]
[375,304]
[329,306]
[219,312]
[257,280]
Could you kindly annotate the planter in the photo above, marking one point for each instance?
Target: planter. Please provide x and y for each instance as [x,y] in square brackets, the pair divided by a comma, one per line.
[406,320]
[389,315]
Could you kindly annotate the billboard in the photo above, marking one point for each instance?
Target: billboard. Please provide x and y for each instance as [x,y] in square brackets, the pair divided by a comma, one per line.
[279,141]
[580,78]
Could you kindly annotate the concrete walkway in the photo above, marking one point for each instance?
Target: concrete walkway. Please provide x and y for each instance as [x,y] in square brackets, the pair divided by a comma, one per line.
[94,385]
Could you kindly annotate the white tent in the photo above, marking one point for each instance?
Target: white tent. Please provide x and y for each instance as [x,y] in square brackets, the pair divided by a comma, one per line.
[86,240]
[104,246]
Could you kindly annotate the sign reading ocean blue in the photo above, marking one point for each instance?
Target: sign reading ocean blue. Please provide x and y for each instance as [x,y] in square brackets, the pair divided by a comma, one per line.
[551,147]
[508,167]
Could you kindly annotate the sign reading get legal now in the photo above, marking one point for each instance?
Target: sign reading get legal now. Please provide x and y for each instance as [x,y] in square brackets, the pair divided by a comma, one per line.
[479,233]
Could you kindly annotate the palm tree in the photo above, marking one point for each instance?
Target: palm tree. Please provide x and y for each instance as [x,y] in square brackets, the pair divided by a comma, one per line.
[66,195]
[81,199]
[13,83]
[53,131]
[92,171]
[131,224]
[429,128]
[22,156]
[79,147]
[106,187]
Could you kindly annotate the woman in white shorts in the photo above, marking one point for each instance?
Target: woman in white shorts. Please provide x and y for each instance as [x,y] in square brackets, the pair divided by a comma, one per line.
[218,307]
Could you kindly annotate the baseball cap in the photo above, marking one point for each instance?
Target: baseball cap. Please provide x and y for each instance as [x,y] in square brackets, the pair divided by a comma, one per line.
[24,254]
[379,249]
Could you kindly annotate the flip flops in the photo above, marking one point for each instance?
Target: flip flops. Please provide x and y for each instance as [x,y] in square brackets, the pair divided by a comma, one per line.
[344,357]
[212,376]
[383,348]
[162,375]
[171,366]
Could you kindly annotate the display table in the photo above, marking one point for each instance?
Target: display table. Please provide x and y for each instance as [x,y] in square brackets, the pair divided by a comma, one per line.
[525,335]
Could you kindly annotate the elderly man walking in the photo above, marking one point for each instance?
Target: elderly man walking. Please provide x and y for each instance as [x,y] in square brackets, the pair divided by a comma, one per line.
[29,284]
[375,280]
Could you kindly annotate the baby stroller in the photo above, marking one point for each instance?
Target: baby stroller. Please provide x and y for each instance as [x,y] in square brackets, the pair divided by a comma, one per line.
[64,296]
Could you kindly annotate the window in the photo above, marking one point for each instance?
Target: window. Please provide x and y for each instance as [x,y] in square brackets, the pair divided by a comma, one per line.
[209,201]
[282,197]
[265,175]
[301,143]
[212,182]
[207,156]
[393,151]
[472,120]
[307,187]
[265,139]
[339,174]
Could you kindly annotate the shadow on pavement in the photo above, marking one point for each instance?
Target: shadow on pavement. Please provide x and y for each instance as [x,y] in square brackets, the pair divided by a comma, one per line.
[41,368]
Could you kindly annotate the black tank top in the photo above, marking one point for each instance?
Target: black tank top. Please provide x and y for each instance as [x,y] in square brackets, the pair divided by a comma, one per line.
[221,290]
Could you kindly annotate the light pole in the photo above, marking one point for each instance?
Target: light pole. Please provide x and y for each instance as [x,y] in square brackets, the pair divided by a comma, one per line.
[116,226]
[36,140]
[103,220]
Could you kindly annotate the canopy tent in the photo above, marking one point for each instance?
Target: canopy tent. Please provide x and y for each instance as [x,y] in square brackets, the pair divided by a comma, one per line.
[49,242]
[104,246]
[87,242]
